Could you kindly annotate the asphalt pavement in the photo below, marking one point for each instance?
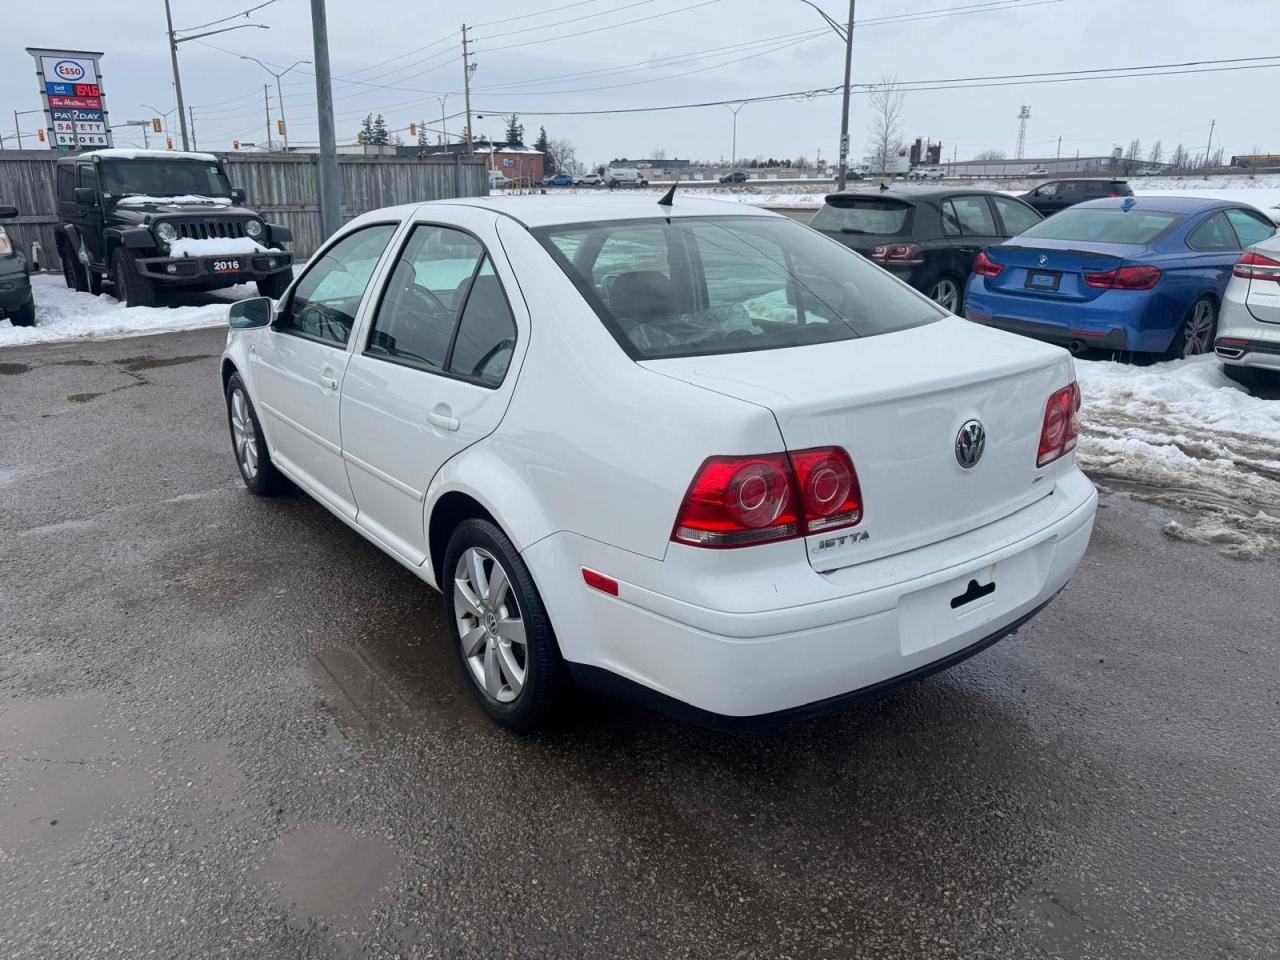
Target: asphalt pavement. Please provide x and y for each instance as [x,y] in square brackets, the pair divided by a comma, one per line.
[230,727]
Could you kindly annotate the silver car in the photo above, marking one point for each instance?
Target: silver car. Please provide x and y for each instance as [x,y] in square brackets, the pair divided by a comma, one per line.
[1248,339]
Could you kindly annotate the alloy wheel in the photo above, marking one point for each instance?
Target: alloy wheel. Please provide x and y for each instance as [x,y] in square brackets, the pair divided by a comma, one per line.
[1198,331]
[945,294]
[490,626]
[243,434]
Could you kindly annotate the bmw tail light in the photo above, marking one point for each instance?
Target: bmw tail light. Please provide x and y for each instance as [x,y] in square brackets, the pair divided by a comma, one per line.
[984,266]
[742,501]
[1061,430]
[1125,278]
[1254,266]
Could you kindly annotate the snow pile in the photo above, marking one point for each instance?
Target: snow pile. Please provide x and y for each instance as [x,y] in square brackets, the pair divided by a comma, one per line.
[143,200]
[215,247]
[63,314]
[1193,440]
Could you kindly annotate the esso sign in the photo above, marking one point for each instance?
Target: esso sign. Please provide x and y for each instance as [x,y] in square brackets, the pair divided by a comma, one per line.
[68,70]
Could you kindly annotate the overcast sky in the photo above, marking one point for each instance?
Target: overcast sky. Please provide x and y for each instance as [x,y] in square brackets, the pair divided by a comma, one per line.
[369,40]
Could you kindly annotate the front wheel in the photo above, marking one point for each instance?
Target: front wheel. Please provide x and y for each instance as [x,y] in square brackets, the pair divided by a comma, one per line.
[1195,335]
[500,628]
[275,284]
[947,294]
[248,444]
[132,288]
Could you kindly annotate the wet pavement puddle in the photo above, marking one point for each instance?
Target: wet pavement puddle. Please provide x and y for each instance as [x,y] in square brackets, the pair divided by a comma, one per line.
[357,694]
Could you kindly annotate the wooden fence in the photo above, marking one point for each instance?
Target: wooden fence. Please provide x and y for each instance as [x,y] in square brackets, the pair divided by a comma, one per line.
[284,188]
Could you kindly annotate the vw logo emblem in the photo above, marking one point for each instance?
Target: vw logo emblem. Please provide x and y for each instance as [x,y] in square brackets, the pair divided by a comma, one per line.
[1043,259]
[970,443]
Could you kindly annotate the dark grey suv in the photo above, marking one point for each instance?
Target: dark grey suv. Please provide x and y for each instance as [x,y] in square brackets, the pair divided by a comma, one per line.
[1054,195]
[15,285]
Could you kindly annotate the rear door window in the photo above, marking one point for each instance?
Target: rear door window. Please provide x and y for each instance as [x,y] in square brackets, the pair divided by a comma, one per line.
[1250,227]
[66,182]
[880,217]
[968,217]
[1015,215]
[1213,236]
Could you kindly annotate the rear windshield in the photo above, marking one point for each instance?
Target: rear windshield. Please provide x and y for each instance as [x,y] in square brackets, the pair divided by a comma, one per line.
[875,216]
[1103,225]
[697,286]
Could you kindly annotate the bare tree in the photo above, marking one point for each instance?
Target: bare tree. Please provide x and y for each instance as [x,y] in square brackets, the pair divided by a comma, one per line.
[801,163]
[1215,158]
[561,155]
[1157,152]
[1134,152]
[658,154]
[1178,160]
[990,155]
[887,101]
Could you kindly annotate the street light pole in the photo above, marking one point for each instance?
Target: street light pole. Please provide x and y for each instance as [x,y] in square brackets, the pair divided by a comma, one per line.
[330,196]
[177,78]
[279,92]
[733,155]
[845,33]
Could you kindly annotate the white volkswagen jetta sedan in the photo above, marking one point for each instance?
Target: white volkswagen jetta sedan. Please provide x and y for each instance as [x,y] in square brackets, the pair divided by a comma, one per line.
[698,452]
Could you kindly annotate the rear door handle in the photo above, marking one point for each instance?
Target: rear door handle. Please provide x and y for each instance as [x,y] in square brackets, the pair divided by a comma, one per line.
[443,421]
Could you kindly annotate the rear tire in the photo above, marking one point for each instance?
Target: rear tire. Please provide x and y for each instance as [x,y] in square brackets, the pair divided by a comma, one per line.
[249,445]
[1251,378]
[73,271]
[132,288]
[275,285]
[1195,334]
[500,628]
[25,315]
[948,293]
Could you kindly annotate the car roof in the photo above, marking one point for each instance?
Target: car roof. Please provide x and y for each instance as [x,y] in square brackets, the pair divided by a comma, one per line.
[542,211]
[1171,204]
[911,194]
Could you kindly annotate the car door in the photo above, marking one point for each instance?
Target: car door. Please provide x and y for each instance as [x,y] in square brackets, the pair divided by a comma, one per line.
[89,215]
[433,374]
[969,225]
[298,364]
[1214,249]
[1044,197]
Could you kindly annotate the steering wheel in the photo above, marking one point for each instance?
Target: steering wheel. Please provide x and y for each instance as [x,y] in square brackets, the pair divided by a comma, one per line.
[433,304]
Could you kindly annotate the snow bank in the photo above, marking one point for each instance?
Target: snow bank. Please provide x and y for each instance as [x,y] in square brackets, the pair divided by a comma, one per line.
[215,247]
[1194,440]
[143,200]
[63,314]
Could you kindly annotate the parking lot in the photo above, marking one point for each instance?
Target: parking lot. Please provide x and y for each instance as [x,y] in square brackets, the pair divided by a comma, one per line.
[230,726]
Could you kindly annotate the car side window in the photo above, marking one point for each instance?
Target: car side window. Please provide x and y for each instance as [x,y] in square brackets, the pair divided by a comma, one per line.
[66,182]
[1071,189]
[424,295]
[1250,228]
[486,335]
[1213,236]
[1047,190]
[1015,215]
[972,214]
[86,176]
[325,301]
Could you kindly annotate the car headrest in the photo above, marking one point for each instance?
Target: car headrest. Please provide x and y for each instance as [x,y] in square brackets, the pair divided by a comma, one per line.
[641,296]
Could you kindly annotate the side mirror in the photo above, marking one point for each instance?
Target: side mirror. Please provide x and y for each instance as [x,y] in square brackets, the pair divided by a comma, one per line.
[8,213]
[238,195]
[86,196]
[247,314]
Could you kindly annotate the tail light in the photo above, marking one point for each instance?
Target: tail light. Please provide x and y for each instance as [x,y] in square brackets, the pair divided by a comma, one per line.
[984,266]
[1254,266]
[6,245]
[1125,278]
[1061,430]
[741,501]
[900,253]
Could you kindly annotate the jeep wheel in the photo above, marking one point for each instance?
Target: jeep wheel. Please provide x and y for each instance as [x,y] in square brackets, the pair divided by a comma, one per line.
[72,272]
[275,285]
[132,288]
[25,315]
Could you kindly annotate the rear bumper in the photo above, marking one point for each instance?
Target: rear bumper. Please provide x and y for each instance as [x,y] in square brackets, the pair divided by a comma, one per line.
[1242,339]
[15,289]
[1113,339]
[896,620]
[207,269]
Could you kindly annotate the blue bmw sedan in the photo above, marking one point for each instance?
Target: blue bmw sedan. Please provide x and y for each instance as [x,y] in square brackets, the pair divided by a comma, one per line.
[1142,274]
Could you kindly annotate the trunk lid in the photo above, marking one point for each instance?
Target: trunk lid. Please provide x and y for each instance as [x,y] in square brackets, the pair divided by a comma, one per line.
[896,403]
[1055,269]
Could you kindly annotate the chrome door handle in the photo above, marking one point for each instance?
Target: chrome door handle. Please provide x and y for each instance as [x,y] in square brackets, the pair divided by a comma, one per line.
[329,383]
[443,421]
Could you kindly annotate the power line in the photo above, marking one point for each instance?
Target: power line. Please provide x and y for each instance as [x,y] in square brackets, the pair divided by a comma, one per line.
[234,16]
[585,16]
[611,26]
[539,13]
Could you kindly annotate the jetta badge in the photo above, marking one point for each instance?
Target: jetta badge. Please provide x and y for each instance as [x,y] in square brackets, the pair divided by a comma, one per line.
[1043,259]
[970,443]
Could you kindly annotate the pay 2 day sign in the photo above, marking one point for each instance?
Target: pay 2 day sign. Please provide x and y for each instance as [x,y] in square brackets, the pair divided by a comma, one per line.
[74,105]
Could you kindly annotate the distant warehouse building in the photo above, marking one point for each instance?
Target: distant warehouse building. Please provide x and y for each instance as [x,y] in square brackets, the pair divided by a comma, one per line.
[1036,166]
[653,166]
[514,160]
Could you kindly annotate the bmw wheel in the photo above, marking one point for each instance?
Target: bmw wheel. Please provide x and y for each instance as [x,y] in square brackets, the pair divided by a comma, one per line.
[1196,334]
[500,628]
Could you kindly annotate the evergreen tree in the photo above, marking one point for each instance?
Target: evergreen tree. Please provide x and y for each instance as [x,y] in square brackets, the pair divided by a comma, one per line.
[543,145]
[380,136]
[422,133]
[515,130]
[366,130]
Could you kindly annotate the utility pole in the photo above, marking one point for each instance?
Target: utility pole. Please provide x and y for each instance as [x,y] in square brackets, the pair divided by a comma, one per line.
[266,102]
[191,119]
[279,93]
[467,69]
[444,120]
[330,197]
[733,159]
[1208,151]
[17,128]
[1059,146]
[177,79]
[844,116]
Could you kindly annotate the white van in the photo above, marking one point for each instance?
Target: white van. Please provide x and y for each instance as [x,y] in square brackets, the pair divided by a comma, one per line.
[498,180]
[626,177]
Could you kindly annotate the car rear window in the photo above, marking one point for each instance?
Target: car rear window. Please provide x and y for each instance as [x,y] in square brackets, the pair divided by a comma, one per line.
[704,285]
[875,215]
[1103,225]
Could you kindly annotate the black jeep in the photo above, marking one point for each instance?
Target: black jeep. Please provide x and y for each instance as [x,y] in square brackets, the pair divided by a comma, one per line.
[146,220]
